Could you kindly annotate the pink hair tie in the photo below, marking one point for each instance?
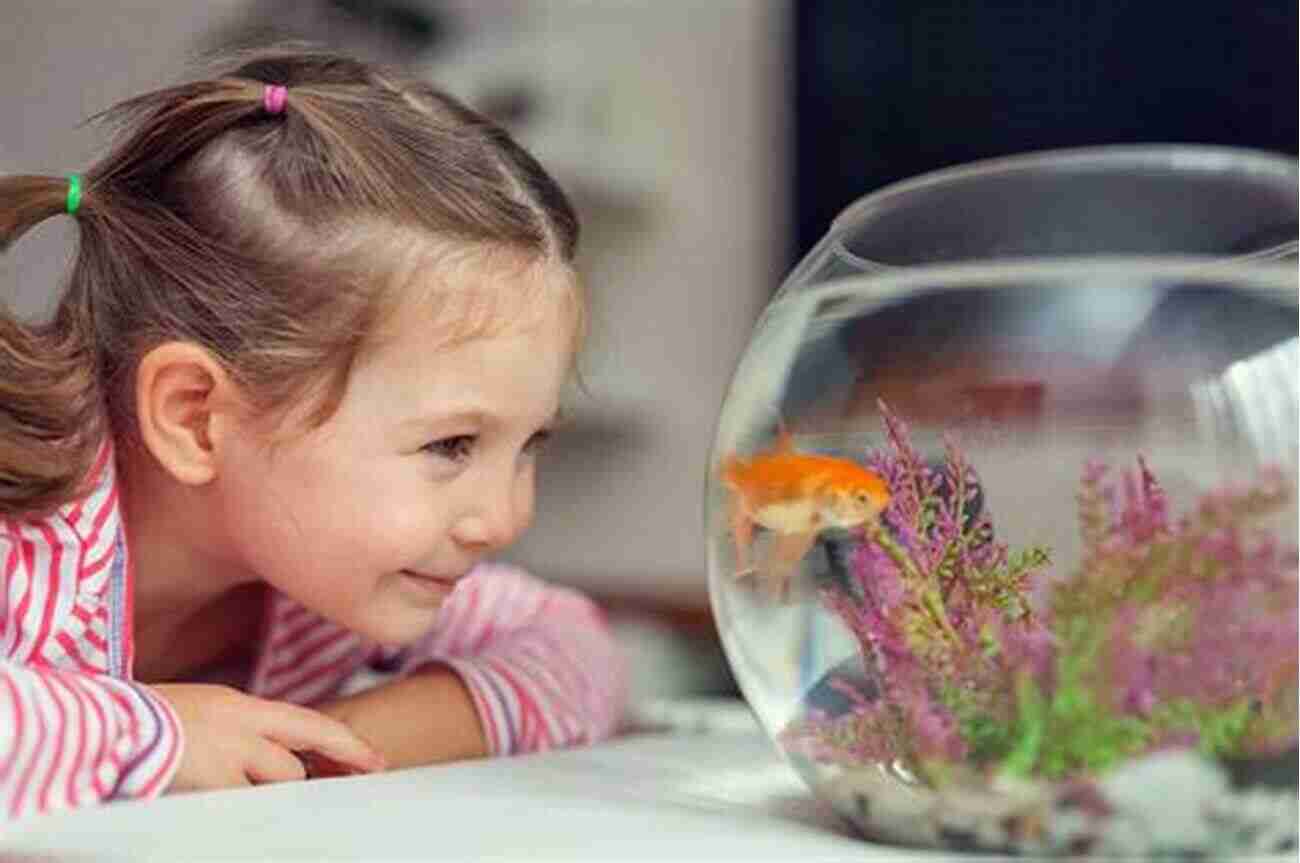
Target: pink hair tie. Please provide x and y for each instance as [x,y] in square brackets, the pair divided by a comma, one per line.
[273,98]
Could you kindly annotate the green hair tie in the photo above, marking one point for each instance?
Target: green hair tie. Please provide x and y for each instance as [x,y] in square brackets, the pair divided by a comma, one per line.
[74,194]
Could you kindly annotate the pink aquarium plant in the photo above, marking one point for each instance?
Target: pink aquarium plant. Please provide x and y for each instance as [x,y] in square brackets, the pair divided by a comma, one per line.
[1174,632]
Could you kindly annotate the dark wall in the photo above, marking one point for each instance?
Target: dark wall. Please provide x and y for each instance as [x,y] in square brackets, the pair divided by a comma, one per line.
[887,89]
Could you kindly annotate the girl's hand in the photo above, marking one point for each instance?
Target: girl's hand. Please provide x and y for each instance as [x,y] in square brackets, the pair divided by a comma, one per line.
[234,739]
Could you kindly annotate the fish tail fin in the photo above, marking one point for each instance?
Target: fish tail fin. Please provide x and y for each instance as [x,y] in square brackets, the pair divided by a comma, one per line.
[730,469]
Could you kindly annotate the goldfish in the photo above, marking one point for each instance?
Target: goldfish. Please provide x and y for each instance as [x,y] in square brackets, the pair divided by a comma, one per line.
[795,495]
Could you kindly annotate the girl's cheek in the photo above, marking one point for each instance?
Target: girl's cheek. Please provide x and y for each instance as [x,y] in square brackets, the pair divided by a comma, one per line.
[408,531]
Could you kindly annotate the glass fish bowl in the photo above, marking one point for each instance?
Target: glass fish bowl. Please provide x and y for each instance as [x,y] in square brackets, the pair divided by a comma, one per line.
[1003,552]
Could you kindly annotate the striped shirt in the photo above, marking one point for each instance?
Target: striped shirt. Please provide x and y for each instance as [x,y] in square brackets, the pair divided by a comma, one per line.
[539,661]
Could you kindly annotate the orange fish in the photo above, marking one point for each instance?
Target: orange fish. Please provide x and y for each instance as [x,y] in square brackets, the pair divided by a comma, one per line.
[796,496]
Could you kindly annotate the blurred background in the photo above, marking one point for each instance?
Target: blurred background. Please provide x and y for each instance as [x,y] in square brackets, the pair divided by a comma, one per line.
[707,145]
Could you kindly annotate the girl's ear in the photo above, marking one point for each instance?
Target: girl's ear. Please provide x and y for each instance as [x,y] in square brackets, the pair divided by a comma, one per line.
[184,402]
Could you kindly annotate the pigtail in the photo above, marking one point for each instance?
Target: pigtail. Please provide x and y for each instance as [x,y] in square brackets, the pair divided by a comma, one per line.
[51,413]
[26,201]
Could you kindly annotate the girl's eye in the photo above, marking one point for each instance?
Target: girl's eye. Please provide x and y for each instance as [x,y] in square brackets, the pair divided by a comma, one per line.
[456,448]
[537,441]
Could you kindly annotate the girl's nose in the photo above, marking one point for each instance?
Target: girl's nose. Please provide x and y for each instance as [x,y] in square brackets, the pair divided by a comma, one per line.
[479,533]
[495,520]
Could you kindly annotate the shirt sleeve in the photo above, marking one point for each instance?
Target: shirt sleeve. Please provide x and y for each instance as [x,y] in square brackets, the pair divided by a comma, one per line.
[540,662]
[68,739]
[71,734]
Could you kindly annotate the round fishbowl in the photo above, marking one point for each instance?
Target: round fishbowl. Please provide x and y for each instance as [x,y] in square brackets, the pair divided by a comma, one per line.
[1003,553]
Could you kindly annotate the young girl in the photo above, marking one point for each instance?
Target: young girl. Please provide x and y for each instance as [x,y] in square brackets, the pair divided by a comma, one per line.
[318,324]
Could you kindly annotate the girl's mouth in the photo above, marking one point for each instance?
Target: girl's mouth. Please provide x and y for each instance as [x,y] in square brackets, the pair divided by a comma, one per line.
[427,581]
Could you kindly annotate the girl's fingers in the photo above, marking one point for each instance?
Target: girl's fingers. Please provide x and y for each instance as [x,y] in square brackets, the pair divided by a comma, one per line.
[271,762]
[301,728]
[320,767]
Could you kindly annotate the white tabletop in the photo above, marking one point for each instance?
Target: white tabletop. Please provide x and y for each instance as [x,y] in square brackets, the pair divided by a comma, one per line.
[711,790]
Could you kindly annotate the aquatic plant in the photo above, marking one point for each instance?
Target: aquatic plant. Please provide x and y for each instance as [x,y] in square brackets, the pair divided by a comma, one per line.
[1170,633]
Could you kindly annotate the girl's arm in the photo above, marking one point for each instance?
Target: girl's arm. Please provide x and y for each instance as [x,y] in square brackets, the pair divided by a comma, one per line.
[514,665]
[71,733]
[69,739]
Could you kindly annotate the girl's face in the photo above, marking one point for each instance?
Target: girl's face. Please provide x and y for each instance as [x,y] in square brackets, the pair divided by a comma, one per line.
[426,467]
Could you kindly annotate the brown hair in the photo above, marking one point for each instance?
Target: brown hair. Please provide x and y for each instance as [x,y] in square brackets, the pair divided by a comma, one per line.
[272,240]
